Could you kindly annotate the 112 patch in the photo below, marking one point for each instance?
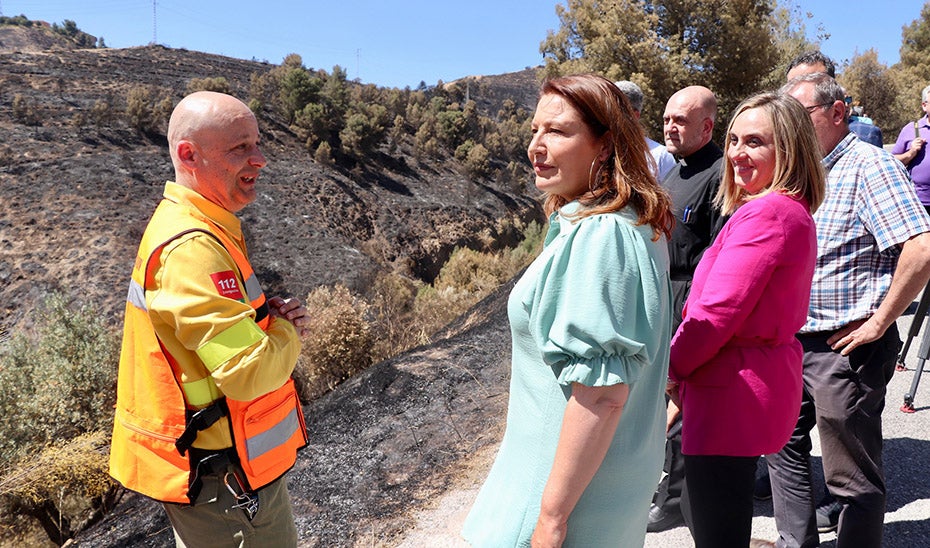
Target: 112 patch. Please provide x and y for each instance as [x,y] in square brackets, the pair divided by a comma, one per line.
[227,285]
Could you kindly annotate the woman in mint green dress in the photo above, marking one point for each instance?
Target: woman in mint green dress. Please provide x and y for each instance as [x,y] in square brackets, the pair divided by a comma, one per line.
[591,324]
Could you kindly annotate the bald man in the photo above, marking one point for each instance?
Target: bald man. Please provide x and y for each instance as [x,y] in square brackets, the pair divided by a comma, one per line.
[688,126]
[207,417]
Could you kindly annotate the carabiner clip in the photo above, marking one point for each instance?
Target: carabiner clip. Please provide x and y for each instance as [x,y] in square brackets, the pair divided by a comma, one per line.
[245,500]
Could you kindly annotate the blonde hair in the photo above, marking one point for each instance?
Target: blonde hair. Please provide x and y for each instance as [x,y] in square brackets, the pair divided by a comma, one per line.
[798,171]
[626,177]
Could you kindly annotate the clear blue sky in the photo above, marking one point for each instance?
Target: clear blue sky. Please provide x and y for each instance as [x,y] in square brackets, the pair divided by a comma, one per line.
[398,43]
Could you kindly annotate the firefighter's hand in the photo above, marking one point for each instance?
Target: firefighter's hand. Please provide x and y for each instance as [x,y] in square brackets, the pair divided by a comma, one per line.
[292,311]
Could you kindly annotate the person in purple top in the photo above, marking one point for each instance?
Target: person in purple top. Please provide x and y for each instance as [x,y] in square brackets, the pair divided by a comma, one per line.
[910,149]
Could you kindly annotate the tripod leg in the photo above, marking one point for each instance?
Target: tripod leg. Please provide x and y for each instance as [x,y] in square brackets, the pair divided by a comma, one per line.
[922,355]
[922,306]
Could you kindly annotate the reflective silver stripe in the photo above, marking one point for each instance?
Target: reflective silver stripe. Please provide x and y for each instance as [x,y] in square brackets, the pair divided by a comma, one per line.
[269,439]
[253,288]
[136,295]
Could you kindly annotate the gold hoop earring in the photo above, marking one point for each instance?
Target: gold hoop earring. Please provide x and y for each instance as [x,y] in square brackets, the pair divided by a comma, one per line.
[590,172]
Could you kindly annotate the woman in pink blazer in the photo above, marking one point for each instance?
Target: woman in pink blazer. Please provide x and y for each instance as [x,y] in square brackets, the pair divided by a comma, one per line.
[735,363]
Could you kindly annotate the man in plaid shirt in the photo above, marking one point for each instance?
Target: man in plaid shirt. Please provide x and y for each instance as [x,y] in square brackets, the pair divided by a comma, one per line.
[873,259]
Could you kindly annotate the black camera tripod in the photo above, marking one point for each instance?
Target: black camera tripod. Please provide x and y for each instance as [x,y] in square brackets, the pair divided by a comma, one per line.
[923,352]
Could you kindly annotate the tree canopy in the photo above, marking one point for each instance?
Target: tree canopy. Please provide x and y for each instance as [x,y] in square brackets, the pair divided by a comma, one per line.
[735,48]
[871,85]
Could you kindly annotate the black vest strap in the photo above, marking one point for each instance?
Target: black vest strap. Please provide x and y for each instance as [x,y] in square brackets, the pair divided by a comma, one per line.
[200,420]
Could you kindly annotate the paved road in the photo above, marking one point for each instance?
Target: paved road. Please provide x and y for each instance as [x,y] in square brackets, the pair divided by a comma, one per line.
[907,452]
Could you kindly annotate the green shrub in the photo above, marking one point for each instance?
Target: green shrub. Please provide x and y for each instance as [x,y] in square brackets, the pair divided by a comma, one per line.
[65,488]
[218,84]
[474,272]
[452,127]
[425,141]
[394,321]
[364,129]
[297,89]
[59,379]
[435,307]
[396,134]
[70,30]
[18,20]
[324,154]
[477,162]
[311,123]
[139,111]
[59,383]
[101,113]
[534,235]
[161,113]
[461,152]
[405,312]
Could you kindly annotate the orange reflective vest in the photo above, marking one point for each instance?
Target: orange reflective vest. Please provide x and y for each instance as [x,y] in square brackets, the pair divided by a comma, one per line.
[154,406]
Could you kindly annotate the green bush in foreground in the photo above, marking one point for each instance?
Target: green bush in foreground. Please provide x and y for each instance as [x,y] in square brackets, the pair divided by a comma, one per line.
[59,385]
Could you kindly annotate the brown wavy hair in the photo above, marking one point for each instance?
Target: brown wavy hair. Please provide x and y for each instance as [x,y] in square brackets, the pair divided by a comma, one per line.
[627,176]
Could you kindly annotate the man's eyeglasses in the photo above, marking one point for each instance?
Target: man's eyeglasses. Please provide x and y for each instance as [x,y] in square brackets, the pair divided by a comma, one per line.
[812,108]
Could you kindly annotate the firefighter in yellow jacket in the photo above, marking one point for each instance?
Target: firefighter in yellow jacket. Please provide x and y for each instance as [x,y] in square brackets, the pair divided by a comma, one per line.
[207,418]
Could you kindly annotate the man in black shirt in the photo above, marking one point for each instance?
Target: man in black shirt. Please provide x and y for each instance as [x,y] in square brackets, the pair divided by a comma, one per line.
[688,125]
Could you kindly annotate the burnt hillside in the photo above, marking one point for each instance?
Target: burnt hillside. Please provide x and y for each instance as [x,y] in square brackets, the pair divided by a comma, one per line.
[75,195]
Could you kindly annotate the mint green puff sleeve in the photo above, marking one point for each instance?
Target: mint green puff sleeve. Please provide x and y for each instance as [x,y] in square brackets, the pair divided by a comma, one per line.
[595,311]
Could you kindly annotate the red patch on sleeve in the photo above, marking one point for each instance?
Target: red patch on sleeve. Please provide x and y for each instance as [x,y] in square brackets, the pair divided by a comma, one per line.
[227,284]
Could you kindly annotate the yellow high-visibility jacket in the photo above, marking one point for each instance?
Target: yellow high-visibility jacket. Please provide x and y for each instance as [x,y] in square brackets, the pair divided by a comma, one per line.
[198,331]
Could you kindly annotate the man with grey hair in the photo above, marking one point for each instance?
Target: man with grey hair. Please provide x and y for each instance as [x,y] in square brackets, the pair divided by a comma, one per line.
[664,160]
[911,150]
[873,258]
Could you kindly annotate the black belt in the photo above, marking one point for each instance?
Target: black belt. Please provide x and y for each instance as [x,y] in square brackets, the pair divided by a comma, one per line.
[816,334]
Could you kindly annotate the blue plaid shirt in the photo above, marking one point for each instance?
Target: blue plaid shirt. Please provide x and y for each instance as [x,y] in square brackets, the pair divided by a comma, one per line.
[869,211]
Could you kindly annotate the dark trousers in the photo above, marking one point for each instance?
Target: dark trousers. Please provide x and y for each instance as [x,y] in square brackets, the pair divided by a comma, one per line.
[718,500]
[844,397]
[669,492]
